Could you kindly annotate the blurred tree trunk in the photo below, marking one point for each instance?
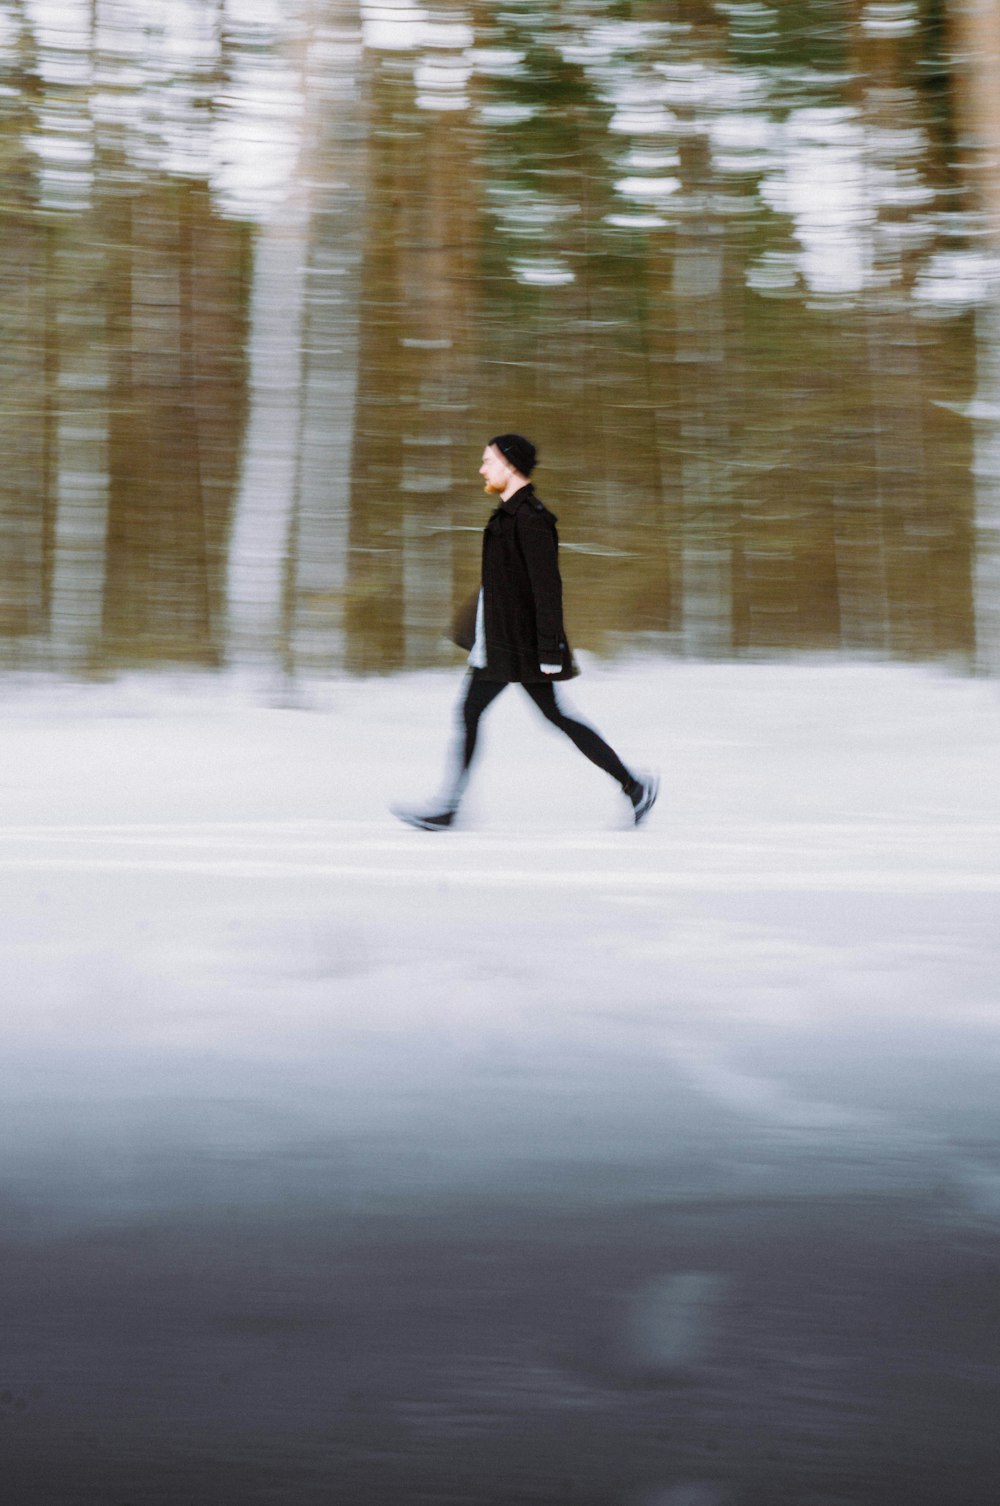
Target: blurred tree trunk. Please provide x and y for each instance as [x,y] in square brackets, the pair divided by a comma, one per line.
[266,500]
[413,393]
[373,589]
[127,368]
[440,456]
[55,411]
[313,630]
[175,406]
[213,261]
[262,534]
[703,428]
[79,281]
[976,32]
[27,334]
[880,548]
[702,411]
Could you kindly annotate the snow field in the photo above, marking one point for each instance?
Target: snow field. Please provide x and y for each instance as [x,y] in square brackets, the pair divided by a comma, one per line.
[220,948]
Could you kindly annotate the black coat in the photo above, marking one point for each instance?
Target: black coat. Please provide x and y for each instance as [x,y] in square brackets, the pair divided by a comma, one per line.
[522,593]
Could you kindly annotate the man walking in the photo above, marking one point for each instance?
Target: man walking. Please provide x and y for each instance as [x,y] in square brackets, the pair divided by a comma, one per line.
[518,638]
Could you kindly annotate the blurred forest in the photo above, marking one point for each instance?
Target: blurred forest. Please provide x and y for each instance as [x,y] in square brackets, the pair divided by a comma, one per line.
[276,269]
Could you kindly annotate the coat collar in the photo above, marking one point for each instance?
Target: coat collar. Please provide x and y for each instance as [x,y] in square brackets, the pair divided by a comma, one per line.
[510,507]
[513,502]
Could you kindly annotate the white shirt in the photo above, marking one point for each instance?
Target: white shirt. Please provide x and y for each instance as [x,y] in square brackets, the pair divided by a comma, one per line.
[477,657]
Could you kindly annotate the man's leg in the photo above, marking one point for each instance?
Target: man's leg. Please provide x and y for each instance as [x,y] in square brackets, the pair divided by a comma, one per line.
[641,792]
[478,695]
[589,742]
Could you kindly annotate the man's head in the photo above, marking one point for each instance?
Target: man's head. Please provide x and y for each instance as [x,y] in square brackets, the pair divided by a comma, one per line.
[506,458]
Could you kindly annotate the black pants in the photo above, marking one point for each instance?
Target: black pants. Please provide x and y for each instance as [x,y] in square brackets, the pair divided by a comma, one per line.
[481,693]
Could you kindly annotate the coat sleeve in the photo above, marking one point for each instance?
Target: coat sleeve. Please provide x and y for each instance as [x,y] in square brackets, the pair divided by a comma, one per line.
[463,623]
[539,547]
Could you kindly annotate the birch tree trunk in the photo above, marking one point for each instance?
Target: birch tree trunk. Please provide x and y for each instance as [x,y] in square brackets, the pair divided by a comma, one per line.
[706,578]
[268,486]
[881,604]
[25,327]
[976,31]
[317,566]
[78,366]
[287,443]
[82,476]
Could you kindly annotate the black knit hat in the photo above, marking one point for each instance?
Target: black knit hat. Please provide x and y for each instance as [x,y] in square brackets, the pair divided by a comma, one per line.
[519,451]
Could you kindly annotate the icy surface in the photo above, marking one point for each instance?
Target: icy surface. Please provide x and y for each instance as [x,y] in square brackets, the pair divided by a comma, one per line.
[214,926]
[415,1166]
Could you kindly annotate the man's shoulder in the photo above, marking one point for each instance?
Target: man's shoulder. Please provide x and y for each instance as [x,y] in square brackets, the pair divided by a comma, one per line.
[533,508]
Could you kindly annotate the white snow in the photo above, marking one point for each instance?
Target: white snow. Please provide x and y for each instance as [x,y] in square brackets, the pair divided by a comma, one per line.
[219,948]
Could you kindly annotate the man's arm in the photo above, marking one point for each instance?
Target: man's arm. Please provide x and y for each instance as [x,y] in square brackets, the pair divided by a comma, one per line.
[538,545]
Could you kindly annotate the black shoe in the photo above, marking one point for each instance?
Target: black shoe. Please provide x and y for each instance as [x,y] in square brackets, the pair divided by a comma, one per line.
[439,821]
[643,793]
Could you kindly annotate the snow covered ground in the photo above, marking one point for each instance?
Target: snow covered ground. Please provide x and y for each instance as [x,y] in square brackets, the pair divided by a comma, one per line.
[234,987]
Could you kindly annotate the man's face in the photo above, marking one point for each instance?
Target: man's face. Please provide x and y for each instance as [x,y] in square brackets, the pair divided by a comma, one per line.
[495,470]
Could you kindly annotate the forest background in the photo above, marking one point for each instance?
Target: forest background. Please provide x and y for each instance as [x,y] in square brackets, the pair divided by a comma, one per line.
[275,271]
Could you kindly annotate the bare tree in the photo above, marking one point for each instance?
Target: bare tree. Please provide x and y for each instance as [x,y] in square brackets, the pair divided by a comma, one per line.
[28,410]
[313,626]
[976,33]
[78,285]
[287,534]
